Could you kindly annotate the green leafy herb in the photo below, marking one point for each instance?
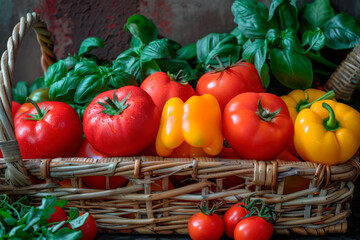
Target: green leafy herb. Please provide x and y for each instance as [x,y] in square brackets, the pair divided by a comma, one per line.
[89,44]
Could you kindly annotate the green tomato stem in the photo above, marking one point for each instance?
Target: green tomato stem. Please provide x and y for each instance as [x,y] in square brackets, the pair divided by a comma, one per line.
[320,59]
[111,103]
[265,114]
[328,95]
[330,123]
[39,112]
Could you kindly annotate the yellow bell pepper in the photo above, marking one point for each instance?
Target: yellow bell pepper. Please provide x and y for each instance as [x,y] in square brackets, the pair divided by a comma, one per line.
[197,122]
[328,132]
[298,99]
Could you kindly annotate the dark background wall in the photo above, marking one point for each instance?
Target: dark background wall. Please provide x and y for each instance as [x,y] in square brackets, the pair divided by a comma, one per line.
[70,22]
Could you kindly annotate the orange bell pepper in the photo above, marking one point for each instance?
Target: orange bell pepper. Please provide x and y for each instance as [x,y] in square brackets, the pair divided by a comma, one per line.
[197,122]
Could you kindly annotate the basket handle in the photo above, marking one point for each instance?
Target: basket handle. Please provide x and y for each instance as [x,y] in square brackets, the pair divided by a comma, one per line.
[16,173]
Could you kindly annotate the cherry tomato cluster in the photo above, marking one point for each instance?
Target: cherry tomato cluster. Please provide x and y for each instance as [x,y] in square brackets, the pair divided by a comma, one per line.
[238,222]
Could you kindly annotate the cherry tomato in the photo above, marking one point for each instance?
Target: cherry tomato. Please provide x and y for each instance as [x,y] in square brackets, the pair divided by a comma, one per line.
[58,216]
[205,227]
[55,132]
[162,86]
[232,217]
[227,82]
[89,229]
[121,122]
[253,227]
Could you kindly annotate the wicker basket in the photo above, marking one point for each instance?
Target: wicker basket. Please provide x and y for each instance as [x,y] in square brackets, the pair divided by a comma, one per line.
[320,209]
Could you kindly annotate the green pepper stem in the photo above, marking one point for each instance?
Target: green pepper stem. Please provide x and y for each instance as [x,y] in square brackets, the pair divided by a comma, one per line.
[329,95]
[39,112]
[265,114]
[330,123]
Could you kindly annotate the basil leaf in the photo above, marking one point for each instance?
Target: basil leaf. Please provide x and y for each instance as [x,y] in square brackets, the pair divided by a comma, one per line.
[89,87]
[79,221]
[55,72]
[285,12]
[239,36]
[252,18]
[89,44]
[86,68]
[315,14]
[187,52]
[74,213]
[342,32]
[61,203]
[14,231]
[173,65]
[221,44]
[141,28]
[64,90]
[130,65]
[261,66]
[37,84]
[120,79]
[273,37]
[158,49]
[250,48]
[315,39]
[65,233]
[291,69]
[290,41]
[20,92]
[148,68]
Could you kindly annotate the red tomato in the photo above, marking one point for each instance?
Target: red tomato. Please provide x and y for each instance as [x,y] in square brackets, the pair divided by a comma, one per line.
[253,227]
[88,151]
[230,81]
[232,217]
[89,229]
[97,182]
[23,108]
[14,107]
[57,134]
[58,216]
[251,132]
[125,129]
[228,153]
[162,86]
[205,227]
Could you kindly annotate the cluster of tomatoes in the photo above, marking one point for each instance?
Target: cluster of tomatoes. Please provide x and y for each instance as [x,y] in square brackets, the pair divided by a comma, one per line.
[88,229]
[238,222]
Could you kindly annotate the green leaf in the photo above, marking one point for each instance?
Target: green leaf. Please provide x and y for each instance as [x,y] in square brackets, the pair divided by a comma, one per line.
[251,17]
[250,48]
[342,32]
[20,92]
[129,62]
[291,69]
[141,28]
[148,68]
[74,213]
[239,36]
[159,49]
[285,13]
[65,233]
[64,90]
[89,87]
[315,14]
[315,39]
[120,79]
[273,37]
[37,84]
[79,221]
[290,41]
[86,68]
[221,44]
[61,203]
[14,232]
[55,72]
[89,44]
[187,52]
[261,65]
[174,65]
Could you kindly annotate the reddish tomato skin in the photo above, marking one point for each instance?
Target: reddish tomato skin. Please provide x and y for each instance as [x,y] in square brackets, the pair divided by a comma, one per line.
[228,153]
[253,228]
[232,217]
[251,137]
[97,182]
[14,107]
[224,85]
[23,108]
[58,134]
[58,216]
[88,151]
[89,229]
[161,88]
[125,134]
[204,227]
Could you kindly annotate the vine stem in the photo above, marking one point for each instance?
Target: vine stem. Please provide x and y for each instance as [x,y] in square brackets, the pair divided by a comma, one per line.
[320,59]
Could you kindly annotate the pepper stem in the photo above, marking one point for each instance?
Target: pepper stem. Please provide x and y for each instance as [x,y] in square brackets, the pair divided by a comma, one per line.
[330,123]
[329,95]
[265,114]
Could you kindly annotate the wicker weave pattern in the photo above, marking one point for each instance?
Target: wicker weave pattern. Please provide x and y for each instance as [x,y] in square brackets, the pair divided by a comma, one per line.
[318,210]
